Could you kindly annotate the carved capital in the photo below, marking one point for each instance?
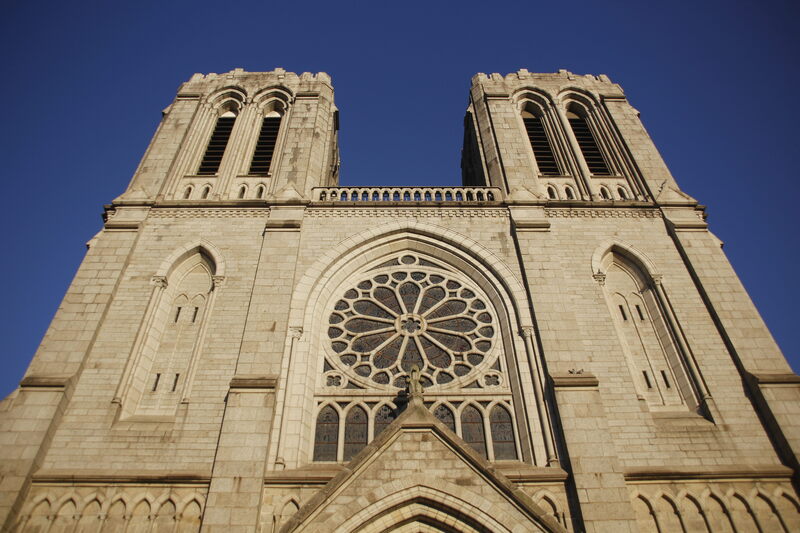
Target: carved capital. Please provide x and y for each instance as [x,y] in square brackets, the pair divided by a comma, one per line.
[159,281]
[657,278]
[526,332]
[600,278]
[295,332]
[218,281]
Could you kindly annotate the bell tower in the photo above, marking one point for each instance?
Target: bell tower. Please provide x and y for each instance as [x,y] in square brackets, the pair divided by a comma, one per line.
[242,136]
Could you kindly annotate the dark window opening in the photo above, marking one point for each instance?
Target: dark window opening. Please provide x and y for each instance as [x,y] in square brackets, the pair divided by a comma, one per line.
[551,193]
[175,382]
[622,312]
[194,315]
[666,380]
[472,429]
[502,434]
[326,436]
[216,146]
[155,383]
[355,432]
[647,379]
[542,151]
[178,314]
[265,146]
[639,310]
[383,418]
[444,415]
[588,145]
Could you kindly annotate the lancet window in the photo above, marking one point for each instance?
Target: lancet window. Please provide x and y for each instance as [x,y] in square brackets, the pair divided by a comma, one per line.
[587,142]
[217,144]
[540,144]
[265,145]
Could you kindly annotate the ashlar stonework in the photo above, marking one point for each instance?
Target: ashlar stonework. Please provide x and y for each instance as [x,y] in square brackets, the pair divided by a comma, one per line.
[558,344]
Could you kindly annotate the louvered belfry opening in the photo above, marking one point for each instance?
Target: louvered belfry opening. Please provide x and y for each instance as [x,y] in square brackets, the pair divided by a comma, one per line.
[265,146]
[540,144]
[216,146]
[588,144]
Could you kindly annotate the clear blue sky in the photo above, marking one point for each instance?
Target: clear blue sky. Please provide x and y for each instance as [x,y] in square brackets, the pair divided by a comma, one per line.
[84,85]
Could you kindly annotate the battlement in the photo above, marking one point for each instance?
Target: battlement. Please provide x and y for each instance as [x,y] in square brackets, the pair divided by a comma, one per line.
[551,81]
[253,81]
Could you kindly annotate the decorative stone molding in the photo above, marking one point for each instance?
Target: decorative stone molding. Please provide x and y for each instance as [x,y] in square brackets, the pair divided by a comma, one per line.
[600,278]
[218,281]
[295,332]
[254,382]
[602,213]
[44,382]
[573,379]
[779,378]
[159,281]
[709,472]
[188,212]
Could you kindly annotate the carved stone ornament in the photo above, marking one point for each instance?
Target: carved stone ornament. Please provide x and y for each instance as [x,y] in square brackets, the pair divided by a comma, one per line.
[159,281]
[600,278]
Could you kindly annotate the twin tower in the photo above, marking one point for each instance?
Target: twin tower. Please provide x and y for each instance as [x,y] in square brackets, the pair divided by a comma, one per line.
[558,344]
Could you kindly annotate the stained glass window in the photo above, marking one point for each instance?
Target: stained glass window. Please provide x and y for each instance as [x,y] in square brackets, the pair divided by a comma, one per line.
[383,418]
[355,432]
[502,433]
[472,429]
[445,416]
[410,314]
[326,436]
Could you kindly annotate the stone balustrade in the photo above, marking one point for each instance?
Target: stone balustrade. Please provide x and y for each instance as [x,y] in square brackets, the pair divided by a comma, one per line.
[407,194]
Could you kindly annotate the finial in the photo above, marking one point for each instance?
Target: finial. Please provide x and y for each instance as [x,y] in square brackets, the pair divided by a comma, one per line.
[415,385]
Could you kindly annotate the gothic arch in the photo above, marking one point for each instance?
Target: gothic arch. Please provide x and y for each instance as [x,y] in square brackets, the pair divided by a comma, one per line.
[354,255]
[407,500]
[201,246]
[228,96]
[625,249]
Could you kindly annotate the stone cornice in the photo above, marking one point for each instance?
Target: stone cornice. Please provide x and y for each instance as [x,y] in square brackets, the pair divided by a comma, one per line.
[711,472]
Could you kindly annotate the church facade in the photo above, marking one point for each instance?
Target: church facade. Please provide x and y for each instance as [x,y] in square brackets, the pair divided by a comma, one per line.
[559,344]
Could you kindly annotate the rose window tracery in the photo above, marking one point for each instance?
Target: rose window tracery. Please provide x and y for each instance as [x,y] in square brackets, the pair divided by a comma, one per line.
[409,312]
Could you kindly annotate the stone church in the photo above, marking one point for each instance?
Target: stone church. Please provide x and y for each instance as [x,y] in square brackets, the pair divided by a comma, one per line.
[558,344]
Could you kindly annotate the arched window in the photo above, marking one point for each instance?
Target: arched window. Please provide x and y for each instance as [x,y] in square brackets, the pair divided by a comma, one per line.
[551,192]
[326,436]
[217,144]
[383,418]
[205,192]
[604,194]
[242,192]
[647,338]
[355,432]
[586,141]
[622,194]
[260,192]
[472,429]
[568,192]
[502,433]
[445,416]
[265,145]
[540,144]
[187,192]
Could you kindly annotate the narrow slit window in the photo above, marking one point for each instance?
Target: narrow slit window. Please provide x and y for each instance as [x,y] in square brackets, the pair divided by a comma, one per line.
[639,311]
[622,194]
[666,379]
[205,192]
[194,314]
[551,193]
[216,145]
[647,379]
[568,192]
[622,312]
[175,382]
[265,146]
[187,193]
[155,383]
[540,144]
[242,191]
[588,145]
[177,314]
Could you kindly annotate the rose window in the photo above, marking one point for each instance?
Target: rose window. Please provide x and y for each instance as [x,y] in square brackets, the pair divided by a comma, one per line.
[407,313]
